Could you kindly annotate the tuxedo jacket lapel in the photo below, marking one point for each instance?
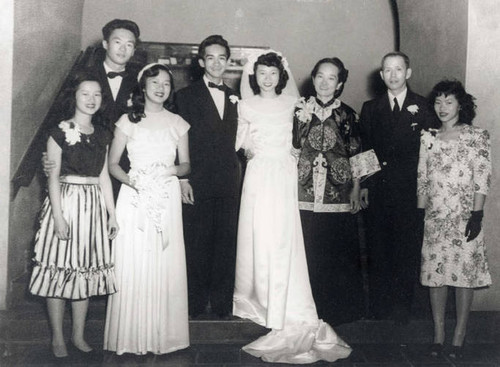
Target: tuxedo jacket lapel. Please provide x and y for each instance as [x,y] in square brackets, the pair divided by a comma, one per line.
[209,103]
[106,90]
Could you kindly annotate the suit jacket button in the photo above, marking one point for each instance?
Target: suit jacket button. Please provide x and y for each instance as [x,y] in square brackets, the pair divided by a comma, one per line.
[384,163]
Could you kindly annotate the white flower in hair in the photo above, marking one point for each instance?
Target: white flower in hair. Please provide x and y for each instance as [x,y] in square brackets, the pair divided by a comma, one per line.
[71,132]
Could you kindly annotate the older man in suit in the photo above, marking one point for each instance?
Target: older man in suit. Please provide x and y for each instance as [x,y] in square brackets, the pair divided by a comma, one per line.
[391,125]
[212,189]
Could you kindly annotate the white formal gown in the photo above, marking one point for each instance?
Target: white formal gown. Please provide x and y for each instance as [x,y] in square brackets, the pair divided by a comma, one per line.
[272,283]
[149,313]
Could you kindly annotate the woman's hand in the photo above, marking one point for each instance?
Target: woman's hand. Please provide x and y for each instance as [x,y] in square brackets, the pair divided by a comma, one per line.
[61,228]
[113,227]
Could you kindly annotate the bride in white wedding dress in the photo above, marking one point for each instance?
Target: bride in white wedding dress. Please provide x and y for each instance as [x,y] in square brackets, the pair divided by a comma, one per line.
[272,284]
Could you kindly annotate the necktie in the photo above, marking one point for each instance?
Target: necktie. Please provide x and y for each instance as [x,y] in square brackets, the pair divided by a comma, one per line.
[114,74]
[221,87]
[395,110]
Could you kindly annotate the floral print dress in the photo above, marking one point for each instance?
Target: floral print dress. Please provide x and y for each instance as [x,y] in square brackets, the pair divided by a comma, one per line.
[449,174]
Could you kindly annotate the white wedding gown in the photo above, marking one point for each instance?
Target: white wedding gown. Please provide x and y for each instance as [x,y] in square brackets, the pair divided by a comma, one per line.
[272,284]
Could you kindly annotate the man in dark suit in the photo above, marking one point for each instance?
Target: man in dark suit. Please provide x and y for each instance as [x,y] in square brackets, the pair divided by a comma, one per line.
[120,37]
[212,188]
[391,125]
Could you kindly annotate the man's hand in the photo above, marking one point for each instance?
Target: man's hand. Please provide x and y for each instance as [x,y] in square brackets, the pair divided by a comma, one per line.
[187,192]
[364,198]
[354,200]
[48,166]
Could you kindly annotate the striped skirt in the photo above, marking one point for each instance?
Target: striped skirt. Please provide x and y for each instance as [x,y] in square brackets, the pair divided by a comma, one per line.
[79,267]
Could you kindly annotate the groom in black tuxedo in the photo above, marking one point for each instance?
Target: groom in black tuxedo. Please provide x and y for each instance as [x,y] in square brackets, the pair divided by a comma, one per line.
[212,189]
[391,125]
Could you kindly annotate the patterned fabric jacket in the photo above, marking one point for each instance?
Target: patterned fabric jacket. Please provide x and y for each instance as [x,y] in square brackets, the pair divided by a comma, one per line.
[328,135]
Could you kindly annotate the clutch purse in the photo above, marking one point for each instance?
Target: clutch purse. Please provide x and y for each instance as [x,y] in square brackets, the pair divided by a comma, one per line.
[365,164]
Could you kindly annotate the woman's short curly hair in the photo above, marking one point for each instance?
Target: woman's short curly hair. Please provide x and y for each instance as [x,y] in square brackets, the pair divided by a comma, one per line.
[269,59]
[465,100]
[343,72]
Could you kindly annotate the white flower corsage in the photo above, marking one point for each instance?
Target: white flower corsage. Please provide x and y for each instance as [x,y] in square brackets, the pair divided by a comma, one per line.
[413,109]
[233,98]
[305,110]
[71,132]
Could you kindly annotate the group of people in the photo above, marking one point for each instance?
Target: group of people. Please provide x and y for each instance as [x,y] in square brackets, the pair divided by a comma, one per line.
[280,246]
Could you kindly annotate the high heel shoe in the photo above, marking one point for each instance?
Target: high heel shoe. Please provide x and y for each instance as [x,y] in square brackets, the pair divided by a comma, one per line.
[456,352]
[436,350]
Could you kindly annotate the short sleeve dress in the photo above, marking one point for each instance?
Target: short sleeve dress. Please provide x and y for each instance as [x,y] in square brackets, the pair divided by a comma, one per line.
[449,174]
[150,311]
[79,267]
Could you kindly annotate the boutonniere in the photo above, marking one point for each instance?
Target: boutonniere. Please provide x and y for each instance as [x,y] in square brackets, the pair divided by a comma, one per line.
[413,109]
[305,110]
[233,98]
[129,101]
[71,132]
[414,125]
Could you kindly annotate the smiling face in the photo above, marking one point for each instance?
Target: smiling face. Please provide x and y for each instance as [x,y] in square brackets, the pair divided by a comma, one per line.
[447,108]
[120,48]
[157,88]
[214,62]
[88,98]
[267,78]
[326,81]
[394,73]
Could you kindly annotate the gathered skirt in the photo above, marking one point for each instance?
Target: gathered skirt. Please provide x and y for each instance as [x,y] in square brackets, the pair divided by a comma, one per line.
[149,313]
[79,267]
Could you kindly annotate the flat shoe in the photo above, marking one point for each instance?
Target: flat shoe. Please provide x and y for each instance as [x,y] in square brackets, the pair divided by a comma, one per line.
[436,350]
[456,352]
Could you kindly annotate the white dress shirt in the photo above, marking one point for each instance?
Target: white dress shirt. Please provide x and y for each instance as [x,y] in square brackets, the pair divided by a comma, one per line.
[218,96]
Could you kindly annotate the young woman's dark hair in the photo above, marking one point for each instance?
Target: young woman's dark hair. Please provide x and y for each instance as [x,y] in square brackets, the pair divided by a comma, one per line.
[343,72]
[446,88]
[213,40]
[120,24]
[269,59]
[136,112]
[67,102]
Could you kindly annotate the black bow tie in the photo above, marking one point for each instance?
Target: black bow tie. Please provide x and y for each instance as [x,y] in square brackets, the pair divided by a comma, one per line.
[221,87]
[113,74]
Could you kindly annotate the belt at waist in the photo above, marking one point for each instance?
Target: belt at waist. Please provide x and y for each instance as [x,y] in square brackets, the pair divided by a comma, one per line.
[79,180]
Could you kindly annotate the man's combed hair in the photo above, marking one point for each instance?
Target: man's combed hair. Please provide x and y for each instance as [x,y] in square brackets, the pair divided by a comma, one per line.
[214,39]
[120,24]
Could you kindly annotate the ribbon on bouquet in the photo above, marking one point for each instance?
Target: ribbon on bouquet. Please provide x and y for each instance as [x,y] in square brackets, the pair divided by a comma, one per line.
[153,203]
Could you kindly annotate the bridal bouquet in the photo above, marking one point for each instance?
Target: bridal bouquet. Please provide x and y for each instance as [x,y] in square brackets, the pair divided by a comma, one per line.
[152,192]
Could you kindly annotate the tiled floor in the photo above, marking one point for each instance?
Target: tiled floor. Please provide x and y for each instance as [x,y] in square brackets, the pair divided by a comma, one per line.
[208,355]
